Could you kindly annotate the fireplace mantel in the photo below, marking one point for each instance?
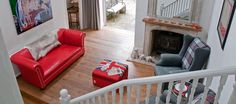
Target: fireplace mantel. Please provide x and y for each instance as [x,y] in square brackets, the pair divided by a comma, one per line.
[173,23]
[165,24]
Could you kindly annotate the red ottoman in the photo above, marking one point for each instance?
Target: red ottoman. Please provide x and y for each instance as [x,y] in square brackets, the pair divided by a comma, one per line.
[101,77]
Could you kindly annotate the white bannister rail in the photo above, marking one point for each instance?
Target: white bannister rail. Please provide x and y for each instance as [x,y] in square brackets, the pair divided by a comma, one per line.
[138,83]
[177,8]
[232,99]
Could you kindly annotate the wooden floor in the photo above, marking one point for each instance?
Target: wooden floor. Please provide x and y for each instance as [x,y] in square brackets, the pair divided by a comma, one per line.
[104,44]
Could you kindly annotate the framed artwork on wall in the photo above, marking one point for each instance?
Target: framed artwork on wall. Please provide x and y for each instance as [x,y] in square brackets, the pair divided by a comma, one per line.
[225,20]
[30,13]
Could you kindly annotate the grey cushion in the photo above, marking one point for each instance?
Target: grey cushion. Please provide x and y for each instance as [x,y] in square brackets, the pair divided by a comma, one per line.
[162,70]
[187,40]
[169,60]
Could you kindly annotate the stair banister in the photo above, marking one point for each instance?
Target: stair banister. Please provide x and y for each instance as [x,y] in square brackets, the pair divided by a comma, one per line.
[232,99]
[65,97]
[185,8]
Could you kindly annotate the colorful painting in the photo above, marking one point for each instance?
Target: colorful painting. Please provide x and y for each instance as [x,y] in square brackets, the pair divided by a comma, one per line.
[226,17]
[30,13]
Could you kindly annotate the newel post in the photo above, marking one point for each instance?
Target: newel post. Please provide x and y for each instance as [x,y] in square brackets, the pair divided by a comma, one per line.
[232,99]
[64,97]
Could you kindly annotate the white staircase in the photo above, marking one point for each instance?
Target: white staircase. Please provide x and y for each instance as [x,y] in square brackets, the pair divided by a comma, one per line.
[177,8]
[108,95]
[189,10]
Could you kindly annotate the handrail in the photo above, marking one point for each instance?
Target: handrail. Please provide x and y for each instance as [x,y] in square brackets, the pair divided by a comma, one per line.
[170,4]
[160,79]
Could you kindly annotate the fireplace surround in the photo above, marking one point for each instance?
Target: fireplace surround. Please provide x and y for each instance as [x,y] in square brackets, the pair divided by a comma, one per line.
[168,25]
[164,35]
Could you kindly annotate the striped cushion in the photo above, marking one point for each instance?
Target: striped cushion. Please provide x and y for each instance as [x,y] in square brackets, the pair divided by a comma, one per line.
[189,55]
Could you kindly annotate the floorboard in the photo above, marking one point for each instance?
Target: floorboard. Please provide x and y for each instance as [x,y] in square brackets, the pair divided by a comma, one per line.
[107,43]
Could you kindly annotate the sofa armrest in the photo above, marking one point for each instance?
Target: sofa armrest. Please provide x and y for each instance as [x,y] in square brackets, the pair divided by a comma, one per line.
[71,37]
[31,70]
[169,60]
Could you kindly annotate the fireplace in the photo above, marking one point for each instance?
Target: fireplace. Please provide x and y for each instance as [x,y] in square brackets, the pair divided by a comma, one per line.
[162,35]
[166,42]
[165,35]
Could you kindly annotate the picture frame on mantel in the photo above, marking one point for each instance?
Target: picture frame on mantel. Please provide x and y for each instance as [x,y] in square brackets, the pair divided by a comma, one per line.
[226,16]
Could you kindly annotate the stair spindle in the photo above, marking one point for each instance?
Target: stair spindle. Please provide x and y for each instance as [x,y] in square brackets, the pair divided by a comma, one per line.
[169,92]
[148,90]
[138,87]
[159,88]
[106,98]
[182,84]
[114,97]
[100,99]
[94,100]
[193,89]
[232,99]
[206,89]
[220,88]
[128,94]
[121,91]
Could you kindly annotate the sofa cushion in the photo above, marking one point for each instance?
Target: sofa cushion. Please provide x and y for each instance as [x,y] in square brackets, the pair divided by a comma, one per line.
[40,47]
[53,42]
[34,49]
[57,57]
[189,55]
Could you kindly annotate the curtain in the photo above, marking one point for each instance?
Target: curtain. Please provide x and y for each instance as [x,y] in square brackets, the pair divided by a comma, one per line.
[90,14]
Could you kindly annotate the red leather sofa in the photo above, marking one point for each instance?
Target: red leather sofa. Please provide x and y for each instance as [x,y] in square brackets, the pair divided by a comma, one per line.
[40,73]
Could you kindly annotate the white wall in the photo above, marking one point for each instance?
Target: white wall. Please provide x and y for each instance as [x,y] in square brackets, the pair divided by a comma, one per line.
[9,90]
[141,12]
[205,18]
[219,57]
[15,42]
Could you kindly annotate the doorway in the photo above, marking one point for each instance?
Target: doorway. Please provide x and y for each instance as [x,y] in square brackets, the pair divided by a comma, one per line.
[124,17]
[73,14]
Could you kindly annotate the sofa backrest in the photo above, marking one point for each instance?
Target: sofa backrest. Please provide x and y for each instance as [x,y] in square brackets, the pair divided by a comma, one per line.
[196,54]
[186,41]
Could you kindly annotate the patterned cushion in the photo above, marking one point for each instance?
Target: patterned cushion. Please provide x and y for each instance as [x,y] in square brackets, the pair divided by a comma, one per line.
[209,99]
[189,55]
